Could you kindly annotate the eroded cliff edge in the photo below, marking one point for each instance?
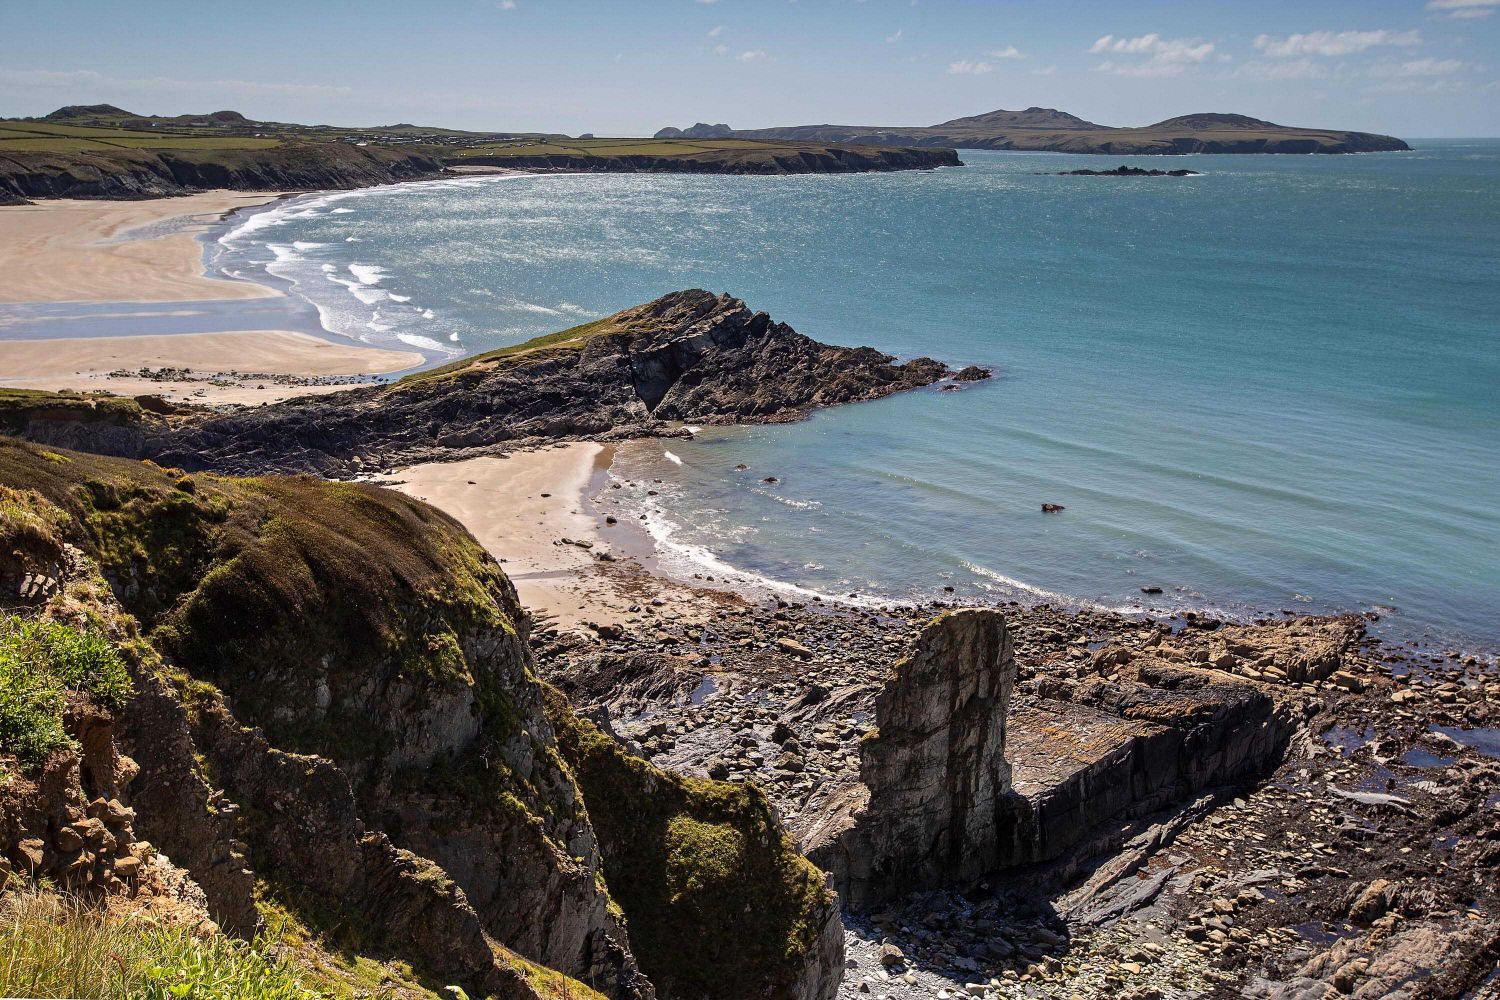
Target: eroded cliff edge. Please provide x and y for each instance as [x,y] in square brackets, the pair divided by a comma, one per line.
[324,706]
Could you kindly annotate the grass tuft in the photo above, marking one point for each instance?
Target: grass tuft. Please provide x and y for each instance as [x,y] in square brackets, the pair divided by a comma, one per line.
[41,662]
[56,947]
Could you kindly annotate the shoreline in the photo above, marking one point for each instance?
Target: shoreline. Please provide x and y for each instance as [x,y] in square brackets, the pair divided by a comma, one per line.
[132,253]
[521,506]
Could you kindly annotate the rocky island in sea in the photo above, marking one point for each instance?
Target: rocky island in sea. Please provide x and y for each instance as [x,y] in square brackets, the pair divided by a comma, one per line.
[336,670]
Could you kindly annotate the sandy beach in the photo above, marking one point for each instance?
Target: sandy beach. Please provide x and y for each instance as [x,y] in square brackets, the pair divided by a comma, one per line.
[522,506]
[148,251]
[223,367]
[82,251]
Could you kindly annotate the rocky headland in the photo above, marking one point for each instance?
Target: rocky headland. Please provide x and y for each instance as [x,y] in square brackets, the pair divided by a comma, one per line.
[689,357]
[1047,129]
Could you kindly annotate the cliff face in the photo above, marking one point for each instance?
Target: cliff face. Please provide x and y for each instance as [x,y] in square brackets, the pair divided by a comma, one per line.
[691,356]
[143,173]
[955,782]
[332,711]
[935,769]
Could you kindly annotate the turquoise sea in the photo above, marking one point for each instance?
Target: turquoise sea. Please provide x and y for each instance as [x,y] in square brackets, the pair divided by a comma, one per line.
[1274,386]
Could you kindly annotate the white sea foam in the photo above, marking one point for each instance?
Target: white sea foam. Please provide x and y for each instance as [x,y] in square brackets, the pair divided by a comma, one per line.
[428,314]
[425,343]
[671,458]
[1012,585]
[342,211]
[399,298]
[532,307]
[306,245]
[368,274]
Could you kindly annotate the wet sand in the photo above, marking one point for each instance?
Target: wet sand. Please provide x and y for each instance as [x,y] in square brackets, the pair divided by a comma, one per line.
[223,367]
[68,250]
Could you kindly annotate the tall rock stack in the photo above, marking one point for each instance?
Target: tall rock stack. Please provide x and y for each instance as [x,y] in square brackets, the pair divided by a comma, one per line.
[935,770]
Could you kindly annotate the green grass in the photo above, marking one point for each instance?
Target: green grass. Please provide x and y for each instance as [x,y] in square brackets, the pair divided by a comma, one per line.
[54,947]
[22,404]
[575,336]
[41,663]
[50,138]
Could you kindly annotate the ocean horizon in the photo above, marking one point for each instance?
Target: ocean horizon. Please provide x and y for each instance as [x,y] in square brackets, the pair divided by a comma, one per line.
[1265,389]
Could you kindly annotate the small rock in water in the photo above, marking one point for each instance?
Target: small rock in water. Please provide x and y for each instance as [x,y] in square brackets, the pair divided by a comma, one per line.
[1052,508]
[1151,590]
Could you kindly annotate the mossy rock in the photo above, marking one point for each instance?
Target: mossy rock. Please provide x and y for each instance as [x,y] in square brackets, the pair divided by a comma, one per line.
[718,902]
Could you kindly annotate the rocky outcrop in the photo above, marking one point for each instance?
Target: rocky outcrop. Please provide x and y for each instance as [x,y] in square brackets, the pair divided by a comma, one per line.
[144,173]
[332,707]
[688,357]
[700,130]
[689,859]
[954,782]
[938,798]
[803,158]
[1123,171]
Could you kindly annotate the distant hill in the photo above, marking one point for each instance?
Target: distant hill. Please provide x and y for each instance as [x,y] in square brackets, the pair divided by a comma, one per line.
[1048,129]
[1030,118]
[73,111]
[701,130]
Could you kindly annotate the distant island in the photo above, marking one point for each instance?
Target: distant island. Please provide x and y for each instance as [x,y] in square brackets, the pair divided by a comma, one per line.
[1050,130]
[104,151]
[1124,171]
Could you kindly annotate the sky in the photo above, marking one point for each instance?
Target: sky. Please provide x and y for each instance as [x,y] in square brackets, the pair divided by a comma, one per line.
[1413,68]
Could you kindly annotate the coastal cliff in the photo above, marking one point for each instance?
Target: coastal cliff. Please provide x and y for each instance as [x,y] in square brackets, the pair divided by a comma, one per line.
[802,158]
[309,709]
[688,357]
[146,173]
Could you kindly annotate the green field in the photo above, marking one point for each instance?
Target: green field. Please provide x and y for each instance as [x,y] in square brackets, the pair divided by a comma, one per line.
[142,133]
[49,137]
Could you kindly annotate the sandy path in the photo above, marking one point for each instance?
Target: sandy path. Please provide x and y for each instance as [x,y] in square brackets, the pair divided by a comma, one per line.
[81,363]
[67,250]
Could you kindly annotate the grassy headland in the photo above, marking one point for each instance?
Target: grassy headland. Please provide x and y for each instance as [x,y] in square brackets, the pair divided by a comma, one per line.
[101,151]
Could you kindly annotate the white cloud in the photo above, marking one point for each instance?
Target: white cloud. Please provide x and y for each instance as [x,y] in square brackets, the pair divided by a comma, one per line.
[1430,67]
[752,55]
[966,67]
[1044,71]
[1332,43]
[1009,52]
[507,4]
[892,39]
[1165,56]
[716,31]
[1464,10]
[722,50]
[1284,69]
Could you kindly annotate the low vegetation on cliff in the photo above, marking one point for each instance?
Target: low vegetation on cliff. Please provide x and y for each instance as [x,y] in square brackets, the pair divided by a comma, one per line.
[689,858]
[296,706]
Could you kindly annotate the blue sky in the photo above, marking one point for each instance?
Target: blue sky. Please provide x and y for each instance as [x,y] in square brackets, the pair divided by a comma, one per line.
[1407,67]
